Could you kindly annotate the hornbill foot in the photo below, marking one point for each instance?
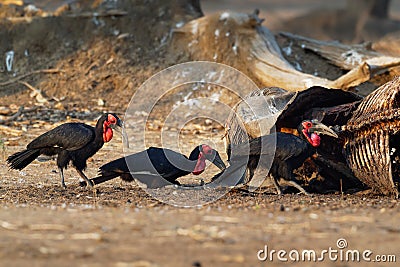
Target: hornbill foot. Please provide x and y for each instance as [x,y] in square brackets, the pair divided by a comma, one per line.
[60,170]
[89,183]
[276,185]
[86,184]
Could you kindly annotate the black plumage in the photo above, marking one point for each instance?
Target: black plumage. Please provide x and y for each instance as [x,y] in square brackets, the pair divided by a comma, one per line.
[71,142]
[153,164]
[289,154]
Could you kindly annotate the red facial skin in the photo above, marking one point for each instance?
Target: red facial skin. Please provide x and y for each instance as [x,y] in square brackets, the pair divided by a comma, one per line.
[107,131]
[201,161]
[314,139]
[200,165]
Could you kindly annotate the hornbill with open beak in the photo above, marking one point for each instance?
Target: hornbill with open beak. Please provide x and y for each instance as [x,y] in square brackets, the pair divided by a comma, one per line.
[154,163]
[71,142]
[290,154]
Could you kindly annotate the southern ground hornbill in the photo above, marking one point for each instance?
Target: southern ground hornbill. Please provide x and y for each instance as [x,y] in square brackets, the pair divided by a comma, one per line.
[291,152]
[330,107]
[154,164]
[74,142]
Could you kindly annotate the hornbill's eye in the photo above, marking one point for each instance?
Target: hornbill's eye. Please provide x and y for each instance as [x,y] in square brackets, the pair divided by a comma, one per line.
[306,125]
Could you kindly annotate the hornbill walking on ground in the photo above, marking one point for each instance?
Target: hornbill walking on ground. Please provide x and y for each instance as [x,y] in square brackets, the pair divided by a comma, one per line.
[154,163]
[291,152]
[74,142]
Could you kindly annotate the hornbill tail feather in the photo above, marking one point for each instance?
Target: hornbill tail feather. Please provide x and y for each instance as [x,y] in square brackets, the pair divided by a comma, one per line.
[104,178]
[20,160]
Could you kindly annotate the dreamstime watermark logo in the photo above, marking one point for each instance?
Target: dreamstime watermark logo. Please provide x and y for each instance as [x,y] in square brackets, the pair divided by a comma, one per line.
[197,90]
[339,253]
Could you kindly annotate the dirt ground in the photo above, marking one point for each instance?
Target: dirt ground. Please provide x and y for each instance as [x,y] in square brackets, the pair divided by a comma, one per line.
[97,64]
[121,225]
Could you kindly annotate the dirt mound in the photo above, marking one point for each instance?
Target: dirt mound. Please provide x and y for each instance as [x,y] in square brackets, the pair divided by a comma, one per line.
[99,51]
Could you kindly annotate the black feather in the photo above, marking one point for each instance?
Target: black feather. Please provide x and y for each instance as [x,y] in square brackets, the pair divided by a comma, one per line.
[21,159]
[155,167]
[71,142]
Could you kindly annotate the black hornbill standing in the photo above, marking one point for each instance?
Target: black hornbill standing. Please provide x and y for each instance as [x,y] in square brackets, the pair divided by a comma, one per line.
[150,165]
[74,142]
[291,152]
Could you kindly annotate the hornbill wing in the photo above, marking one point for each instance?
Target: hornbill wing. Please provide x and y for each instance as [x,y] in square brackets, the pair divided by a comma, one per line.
[69,136]
[314,97]
[148,166]
[278,145]
[261,145]
[289,146]
[137,162]
[168,163]
[282,146]
[154,161]
[119,167]
[115,166]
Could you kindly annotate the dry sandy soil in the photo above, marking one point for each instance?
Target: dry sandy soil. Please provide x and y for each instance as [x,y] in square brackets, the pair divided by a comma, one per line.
[121,225]
[98,68]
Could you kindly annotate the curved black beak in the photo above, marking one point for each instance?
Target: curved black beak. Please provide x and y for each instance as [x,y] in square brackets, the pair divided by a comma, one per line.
[321,128]
[119,128]
[215,158]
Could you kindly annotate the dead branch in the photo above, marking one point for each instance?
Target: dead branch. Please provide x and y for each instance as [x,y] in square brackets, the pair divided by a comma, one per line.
[347,57]
[13,117]
[239,40]
[46,71]
[108,13]
[35,93]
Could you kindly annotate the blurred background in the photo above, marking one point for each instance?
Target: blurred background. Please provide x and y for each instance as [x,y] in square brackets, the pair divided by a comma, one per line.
[313,18]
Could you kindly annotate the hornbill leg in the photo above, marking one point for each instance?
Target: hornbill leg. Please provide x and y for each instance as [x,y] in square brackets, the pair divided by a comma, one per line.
[275,182]
[88,182]
[301,189]
[62,178]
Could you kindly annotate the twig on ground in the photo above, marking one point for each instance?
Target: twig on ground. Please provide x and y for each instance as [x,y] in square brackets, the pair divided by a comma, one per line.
[109,13]
[35,93]
[46,71]
[13,117]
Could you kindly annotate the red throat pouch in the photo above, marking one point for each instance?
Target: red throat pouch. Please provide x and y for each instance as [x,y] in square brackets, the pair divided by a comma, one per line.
[200,165]
[107,135]
[315,140]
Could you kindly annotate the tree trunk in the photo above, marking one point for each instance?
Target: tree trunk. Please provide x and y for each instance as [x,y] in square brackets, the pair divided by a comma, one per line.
[374,8]
[363,11]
